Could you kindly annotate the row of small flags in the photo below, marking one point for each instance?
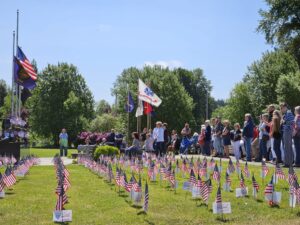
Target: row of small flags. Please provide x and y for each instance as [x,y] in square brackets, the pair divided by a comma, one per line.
[63,185]
[201,174]
[103,168]
[14,169]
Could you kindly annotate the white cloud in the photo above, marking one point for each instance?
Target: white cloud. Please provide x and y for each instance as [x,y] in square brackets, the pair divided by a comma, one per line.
[163,63]
[104,27]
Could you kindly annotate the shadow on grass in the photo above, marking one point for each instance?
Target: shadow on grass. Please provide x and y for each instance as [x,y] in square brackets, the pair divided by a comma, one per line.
[63,223]
[202,205]
[136,206]
[141,213]
[298,214]
[149,222]
[222,219]
[123,195]
[259,200]
[10,193]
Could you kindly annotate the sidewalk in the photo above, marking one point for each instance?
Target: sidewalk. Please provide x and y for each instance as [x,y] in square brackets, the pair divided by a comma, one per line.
[49,161]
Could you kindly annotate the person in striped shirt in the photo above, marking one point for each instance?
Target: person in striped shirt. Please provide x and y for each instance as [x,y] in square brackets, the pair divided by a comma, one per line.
[287,124]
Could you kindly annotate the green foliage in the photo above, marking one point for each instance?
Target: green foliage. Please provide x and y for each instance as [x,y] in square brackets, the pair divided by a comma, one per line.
[6,107]
[263,75]
[177,105]
[198,87]
[61,99]
[106,122]
[3,92]
[103,107]
[237,105]
[280,24]
[105,150]
[288,89]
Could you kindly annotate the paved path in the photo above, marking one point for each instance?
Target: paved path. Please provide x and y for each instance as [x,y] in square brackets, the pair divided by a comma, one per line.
[49,161]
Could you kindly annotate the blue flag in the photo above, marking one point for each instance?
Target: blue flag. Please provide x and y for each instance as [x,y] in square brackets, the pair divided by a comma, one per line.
[129,103]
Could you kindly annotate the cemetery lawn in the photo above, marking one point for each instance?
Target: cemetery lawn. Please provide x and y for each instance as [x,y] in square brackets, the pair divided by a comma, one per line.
[94,201]
[47,152]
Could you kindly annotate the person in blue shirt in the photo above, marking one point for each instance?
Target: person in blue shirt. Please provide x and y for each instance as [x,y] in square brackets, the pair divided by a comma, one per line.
[63,142]
[287,125]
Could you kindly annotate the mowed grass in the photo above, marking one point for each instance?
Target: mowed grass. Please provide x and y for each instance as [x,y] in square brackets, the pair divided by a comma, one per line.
[94,201]
[46,152]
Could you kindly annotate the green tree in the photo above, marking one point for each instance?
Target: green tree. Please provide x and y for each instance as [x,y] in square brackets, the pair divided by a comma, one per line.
[3,91]
[5,109]
[103,107]
[237,105]
[177,105]
[288,89]
[280,24]
[106,122]
[262,77]
[199,88]
[61,99]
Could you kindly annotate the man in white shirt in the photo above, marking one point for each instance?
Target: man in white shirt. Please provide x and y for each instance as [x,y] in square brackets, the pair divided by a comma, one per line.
[158,135]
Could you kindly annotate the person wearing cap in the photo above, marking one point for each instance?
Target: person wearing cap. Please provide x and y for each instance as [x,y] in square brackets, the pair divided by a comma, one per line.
[158,135]
[287,124]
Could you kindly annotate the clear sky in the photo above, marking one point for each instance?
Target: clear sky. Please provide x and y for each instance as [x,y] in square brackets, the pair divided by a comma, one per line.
[104,37]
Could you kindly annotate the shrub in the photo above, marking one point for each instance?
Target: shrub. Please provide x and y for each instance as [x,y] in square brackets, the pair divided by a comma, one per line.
[105,150]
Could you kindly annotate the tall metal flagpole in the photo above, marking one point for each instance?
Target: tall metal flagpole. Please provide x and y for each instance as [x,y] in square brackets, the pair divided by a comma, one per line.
[128,132]
[17,85]
[13,73]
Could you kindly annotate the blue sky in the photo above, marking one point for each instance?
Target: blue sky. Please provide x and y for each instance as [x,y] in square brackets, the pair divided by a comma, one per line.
[104,37]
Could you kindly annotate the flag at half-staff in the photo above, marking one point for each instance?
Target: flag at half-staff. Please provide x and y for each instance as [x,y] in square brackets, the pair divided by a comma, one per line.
[24,73]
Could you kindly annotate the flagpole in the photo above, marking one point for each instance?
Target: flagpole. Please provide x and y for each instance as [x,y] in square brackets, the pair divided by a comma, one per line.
[128,113]
[12,80]
[17,86]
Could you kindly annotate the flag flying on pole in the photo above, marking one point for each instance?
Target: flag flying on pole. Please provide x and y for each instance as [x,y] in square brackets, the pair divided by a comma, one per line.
[140,109]
[129,103]
[24,73]
[147,95]
[147,108]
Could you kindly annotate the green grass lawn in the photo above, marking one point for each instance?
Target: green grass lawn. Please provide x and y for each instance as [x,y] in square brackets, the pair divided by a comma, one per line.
[44,152]
[94,201]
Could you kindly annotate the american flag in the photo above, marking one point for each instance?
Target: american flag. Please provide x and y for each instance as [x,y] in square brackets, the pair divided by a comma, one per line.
[216,174]
[199,182]
[295,190]
[203,171]
[9,178]
[230,168]
[137,186]
[146,198]
[292,176]
[246,170]
[254,183]
[162,170]
[2,184]
[218,197]
[26,64]
[172,179]
[151,170]
[132,182]
[264,168]
[212,163]
[192,178]
[209,185]
[279,173]
[168,172]
[238,167]
[270,188]
[117,178]
[61,200]
[204,191]
[242,182]
[228,180]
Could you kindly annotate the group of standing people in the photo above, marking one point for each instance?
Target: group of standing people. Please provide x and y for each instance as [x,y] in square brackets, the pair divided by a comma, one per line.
[276,138]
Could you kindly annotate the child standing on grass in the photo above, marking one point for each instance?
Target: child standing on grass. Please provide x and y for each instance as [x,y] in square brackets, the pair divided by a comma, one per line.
[63,142]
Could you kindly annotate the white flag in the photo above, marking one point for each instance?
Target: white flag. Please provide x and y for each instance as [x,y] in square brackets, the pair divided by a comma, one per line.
[139,109]
[147,95]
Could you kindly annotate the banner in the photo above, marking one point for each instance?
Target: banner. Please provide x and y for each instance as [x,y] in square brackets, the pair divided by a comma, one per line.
[147,95]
